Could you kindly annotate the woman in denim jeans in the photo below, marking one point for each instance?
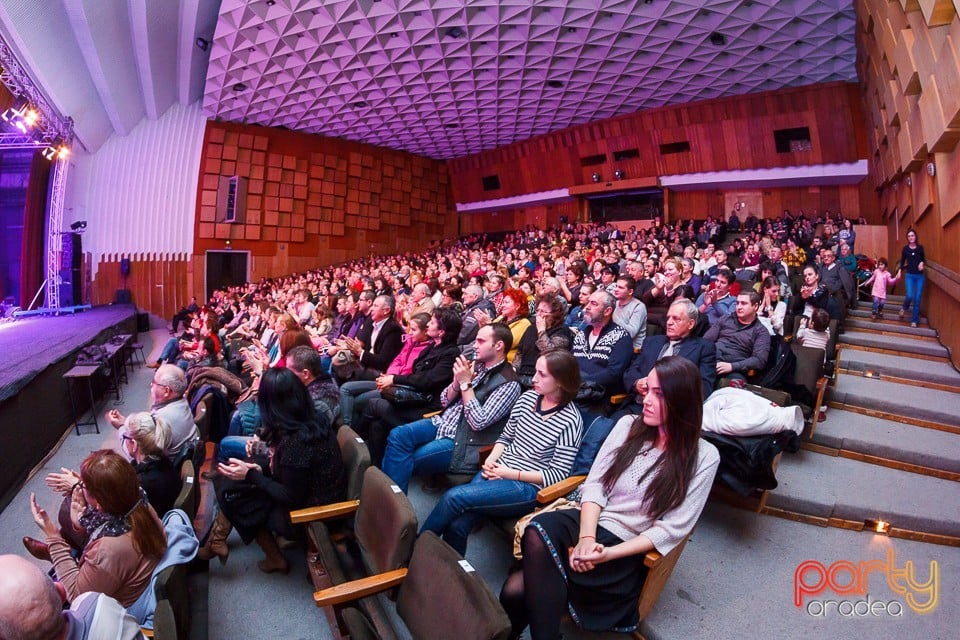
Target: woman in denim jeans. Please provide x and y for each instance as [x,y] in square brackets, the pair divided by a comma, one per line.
[912,262]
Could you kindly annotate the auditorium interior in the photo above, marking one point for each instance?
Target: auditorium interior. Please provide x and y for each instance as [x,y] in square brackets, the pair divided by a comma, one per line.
[155,151]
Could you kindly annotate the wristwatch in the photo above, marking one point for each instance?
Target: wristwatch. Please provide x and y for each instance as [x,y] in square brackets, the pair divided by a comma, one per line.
[464,386]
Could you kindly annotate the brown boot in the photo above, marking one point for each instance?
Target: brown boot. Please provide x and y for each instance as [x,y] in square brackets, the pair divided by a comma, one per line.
[37,548]
[274,560]
[216,544]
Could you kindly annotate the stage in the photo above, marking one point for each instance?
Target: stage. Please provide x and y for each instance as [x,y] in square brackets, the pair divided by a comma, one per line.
[34,406]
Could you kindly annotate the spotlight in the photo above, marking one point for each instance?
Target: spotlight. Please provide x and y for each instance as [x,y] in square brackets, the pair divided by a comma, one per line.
[79,226]
[595,177]
[618,174]
[56,150]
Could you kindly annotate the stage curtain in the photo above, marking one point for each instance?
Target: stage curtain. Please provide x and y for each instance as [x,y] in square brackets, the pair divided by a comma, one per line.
[34,229]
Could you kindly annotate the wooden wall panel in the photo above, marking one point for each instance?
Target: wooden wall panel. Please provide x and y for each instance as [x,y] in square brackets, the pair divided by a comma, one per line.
[156,286]
[724,134]
[910,68]
[541,216]
[698,205]
[313,201]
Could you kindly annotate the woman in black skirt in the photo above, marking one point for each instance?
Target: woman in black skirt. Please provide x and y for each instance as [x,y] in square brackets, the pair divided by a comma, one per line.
[645,491]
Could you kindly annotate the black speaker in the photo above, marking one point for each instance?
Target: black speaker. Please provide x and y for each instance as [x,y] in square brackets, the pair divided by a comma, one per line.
[143,322]
[125,267]
[123,296]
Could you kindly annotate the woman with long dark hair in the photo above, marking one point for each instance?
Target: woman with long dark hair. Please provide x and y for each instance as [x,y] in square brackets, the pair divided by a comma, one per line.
[124,539]
[912,262]
[293,462]
[645,491]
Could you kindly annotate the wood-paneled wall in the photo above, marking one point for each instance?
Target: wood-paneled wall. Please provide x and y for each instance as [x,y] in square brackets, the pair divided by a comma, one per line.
[313,201]
[541,216]
[158,286]
[724,134]
[909,57]
[852,200]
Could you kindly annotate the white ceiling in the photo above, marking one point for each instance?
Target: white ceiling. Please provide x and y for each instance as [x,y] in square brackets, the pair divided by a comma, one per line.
[392,73]
[108,64]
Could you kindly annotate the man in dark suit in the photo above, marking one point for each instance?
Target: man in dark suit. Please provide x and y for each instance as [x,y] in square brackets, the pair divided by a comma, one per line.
[679,341]
[380,337]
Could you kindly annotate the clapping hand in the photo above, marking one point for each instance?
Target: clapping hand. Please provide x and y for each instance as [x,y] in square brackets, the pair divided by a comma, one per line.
[42,518]
[63,482]
[462,370]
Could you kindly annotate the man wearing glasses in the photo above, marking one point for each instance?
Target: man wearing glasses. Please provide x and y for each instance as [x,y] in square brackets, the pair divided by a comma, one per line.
[166,401]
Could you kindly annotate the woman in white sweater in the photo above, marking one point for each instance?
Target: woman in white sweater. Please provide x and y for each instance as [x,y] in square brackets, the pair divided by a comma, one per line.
[645,491]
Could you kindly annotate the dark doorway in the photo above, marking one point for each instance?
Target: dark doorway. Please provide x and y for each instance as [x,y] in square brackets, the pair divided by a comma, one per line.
[226,269]
[644,204]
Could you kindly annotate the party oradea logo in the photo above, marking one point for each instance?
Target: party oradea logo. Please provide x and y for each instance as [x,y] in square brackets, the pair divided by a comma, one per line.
[868,588]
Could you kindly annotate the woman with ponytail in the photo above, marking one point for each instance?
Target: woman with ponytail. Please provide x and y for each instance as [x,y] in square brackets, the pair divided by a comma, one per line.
[124,538]
[645,491]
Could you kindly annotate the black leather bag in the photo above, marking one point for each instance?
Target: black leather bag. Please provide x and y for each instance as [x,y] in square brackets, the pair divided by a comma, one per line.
[401,395]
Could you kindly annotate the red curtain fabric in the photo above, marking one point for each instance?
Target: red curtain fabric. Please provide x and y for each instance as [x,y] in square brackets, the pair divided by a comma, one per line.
[34,229]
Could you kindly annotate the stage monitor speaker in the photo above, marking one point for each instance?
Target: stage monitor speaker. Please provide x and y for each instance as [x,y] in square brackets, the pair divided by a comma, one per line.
[123,297]
[125,267]
[143,322]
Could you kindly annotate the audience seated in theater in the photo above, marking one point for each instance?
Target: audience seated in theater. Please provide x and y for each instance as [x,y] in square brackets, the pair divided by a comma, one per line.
[604,349]
[473,301]
[645,492]
[536,448]
[420,302]
[838,281]
[32,607]
[666,288]
[432,372]
[679,340]
[773,310]
[476,406]
[167,402]
[630,313]
[513,313]
[716,301]
[182,351]
[355,394]
[742,342]
[813,294]
[574,317]
[123,537]
[815,332]
[185,315]
[547,332]
[293,462]
[379,340]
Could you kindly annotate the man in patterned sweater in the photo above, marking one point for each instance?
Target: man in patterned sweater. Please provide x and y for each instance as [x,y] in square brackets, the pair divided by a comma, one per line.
[604,349]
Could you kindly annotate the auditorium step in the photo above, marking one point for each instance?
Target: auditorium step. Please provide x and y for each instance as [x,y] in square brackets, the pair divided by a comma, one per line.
[915,405]
[838,491]
[887,443]
[868,325]
[894,345]
[863,310]
[901,369]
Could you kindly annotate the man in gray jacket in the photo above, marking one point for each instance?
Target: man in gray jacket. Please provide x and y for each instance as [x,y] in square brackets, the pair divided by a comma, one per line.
[474,301]
[743,343]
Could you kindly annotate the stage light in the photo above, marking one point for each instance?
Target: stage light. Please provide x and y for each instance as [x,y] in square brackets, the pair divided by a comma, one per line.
[595,176]
[56,150]
[618,174]
[79,226]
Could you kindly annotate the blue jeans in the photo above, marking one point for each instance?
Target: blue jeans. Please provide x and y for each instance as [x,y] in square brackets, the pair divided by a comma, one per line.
[914,284]
[412,449]
[170,351]
[232,447]
[461,507]
[353,393]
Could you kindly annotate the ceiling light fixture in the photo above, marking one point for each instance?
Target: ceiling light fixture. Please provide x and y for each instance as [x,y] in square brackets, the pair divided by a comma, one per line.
[618,174]
[240,86]
[718,38]
[454,32]
[203,44]
[595,176]
[554,84]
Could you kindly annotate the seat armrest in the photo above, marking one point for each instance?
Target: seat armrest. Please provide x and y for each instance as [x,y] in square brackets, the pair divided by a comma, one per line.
[147,633]
[559,489]
[356,589]
[618,398]
[324,512]
[652,559]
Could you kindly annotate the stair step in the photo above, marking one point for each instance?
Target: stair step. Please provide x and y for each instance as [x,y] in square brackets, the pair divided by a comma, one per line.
[888,443]
[829,487]
[887,316]
[895,344]
[882,365]
[931,408]
[868,325]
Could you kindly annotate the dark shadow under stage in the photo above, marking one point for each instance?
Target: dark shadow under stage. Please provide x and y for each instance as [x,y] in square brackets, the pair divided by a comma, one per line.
[35,406]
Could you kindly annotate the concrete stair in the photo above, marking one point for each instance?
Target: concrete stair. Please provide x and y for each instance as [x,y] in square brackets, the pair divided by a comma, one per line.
[889,448]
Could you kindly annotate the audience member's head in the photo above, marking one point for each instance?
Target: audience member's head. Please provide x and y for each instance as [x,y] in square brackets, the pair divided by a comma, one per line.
[493,342]
[305,363]
[169,383]
[145,436]
[557,373]
[599,309]
[748,303]
[682,317]
[30,602]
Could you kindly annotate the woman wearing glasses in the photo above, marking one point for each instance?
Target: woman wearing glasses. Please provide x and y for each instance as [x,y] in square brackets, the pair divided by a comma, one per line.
[123,538]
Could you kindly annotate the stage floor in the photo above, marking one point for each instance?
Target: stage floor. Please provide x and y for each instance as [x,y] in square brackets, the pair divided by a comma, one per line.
[30,345]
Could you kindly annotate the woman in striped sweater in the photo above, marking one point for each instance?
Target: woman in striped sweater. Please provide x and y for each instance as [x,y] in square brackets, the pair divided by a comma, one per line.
[537,448]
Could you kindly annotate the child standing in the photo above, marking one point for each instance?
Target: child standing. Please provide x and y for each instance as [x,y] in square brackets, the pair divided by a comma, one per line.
[881,280]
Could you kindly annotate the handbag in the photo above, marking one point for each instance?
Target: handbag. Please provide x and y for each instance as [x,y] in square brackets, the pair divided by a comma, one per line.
[401,395]
[590,393]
